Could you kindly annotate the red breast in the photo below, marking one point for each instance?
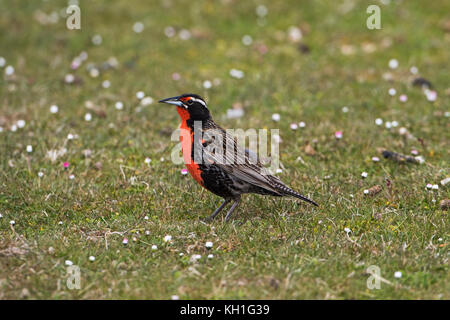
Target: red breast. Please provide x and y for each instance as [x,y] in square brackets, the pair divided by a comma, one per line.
[187,139]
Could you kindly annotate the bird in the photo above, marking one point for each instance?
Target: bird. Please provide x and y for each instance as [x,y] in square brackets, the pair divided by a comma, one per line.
[236,173]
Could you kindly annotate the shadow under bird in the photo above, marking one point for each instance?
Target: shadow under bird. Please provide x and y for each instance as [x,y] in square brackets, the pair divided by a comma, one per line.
[232,175]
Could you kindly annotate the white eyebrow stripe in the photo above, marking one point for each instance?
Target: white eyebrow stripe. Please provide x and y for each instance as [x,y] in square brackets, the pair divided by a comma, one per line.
[200,101]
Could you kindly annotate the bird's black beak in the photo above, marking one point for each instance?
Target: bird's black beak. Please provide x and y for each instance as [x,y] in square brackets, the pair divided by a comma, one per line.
[173,100]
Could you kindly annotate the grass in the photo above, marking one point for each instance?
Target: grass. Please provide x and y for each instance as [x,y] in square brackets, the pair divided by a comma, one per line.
[274,248]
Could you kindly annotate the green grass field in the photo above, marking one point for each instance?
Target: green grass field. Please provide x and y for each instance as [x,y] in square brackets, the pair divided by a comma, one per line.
[273,248]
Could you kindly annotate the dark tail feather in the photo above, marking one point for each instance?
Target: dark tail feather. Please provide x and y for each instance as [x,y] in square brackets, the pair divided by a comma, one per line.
[289,192]
[298,195]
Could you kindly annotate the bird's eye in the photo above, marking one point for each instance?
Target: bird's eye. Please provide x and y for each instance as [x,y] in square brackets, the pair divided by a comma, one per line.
[190,102]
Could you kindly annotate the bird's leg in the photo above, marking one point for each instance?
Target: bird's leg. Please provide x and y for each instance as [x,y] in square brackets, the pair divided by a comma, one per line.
[235,203]
[216,212]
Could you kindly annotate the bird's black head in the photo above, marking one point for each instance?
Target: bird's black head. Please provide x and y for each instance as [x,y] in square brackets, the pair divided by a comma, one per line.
[190,106]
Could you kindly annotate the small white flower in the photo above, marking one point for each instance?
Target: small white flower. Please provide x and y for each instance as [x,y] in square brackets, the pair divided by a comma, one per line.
[276,117]
[379,121]
[54,108]
[175,297]
[431,95]
[238,74]
[138,27]
[97,39]
[106,84]
[388,125]
[208,244]
[1,129]
[393,63]
[70,136]
[195,257]
[147,232]
[210,256]
[12,222]
[429,186]
[169,32]
[154,247]
[1,216]
[207,84]
[76,63]
[347,230]
[181,254]
[125,241]
[394,124]
[375,159]
[403,98]
[366,191]
[294,126]
[71,177]
[392,92]
[167,238]
[92,258]
[301,124]
[345,109]
[94,73]
[119,105]
[9,70]
[21,123]
[247,40]
[147,160]
[69,78]
[140,95]
[184,34]
[88,117]
[14,128]
[60,223]
[435,187]
[29,148]
[398,274]
[413,70]
[146,218]
[162,159]
[295,34]
[146,101]
[261,10]
[2,62]
[68,263]
[278,170]
[364,174]
[40,174]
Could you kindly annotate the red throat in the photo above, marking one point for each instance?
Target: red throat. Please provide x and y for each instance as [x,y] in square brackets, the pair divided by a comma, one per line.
[184,114]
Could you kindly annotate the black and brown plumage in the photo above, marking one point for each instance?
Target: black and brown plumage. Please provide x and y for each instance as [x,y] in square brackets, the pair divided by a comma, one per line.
[230,173]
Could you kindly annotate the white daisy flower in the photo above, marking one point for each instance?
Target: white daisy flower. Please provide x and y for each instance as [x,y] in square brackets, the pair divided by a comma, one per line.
[393,63]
